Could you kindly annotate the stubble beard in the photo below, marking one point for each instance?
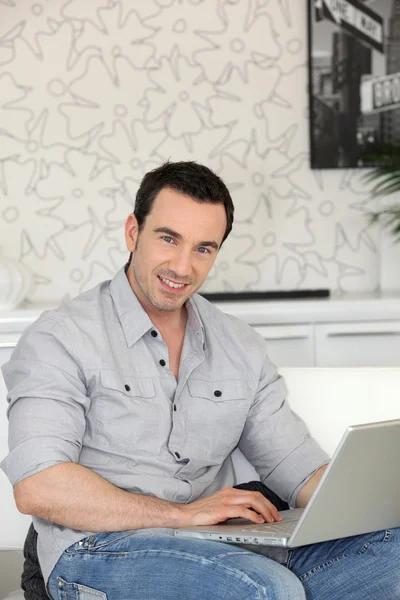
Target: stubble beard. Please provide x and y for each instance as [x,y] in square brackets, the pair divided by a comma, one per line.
[158,303]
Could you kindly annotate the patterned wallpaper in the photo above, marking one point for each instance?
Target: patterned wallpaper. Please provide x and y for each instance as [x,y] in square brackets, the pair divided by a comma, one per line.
[93,94]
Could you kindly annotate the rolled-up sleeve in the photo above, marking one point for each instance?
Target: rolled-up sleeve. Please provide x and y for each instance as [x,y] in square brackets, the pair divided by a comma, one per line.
[47,402]
[275,440]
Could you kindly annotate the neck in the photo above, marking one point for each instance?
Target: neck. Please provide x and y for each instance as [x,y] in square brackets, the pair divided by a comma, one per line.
[169,321]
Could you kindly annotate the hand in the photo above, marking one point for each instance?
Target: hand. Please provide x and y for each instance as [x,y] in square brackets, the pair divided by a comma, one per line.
[228,503]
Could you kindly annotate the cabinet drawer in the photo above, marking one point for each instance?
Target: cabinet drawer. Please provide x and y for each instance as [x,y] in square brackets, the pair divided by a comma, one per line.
[289,345]
[8,341]
[369,344]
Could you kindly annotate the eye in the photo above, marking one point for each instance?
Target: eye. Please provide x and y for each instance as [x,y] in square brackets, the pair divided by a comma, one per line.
[203,250]
[167,238]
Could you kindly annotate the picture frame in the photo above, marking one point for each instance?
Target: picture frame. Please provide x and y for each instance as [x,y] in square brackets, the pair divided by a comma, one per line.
[354,82]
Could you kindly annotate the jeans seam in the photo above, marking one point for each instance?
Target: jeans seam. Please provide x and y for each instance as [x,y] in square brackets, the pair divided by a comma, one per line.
[289,559]
[388,535]
[225,554]
[368,545]
[365,548]
[99,553]
[322,567]
[242,576]
[61,591]
[88,546]
[91,546]
[93,591]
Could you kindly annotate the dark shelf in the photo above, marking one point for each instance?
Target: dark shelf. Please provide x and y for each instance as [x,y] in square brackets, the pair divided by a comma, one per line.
[271,295]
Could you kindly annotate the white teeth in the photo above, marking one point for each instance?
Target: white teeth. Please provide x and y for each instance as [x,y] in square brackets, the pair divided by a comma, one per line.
[171,283]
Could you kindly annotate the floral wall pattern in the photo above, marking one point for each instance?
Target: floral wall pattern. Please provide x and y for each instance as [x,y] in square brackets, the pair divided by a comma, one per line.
[94,94]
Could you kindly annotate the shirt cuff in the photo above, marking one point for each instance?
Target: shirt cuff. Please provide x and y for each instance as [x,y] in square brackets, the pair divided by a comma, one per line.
[297,468]
[36,454]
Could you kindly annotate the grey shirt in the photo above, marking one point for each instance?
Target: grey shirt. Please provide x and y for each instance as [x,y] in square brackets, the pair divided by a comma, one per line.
[90,383]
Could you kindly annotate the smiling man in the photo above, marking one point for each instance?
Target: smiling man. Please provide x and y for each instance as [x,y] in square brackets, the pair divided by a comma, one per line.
[125,405]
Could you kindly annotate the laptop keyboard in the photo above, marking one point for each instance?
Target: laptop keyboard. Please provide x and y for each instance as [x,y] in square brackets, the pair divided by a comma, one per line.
[284,527]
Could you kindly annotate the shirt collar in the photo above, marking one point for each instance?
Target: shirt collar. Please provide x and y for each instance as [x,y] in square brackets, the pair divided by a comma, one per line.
[194,319]
[135,321]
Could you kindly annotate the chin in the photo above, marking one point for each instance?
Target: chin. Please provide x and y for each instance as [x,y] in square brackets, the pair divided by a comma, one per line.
[167,305]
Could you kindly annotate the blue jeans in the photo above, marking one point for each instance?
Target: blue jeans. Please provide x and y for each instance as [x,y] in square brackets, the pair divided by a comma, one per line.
[148,565]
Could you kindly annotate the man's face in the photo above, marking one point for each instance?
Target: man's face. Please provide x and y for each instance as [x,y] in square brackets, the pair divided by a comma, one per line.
[175,250]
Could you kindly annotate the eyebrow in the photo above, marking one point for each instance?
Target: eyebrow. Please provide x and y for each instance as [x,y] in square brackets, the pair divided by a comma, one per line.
[178,236]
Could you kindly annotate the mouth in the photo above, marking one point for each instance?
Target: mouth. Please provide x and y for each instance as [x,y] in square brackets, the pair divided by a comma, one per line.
[173,287]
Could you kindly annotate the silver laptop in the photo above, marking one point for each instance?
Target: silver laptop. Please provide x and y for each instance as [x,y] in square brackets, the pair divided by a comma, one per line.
[358,493]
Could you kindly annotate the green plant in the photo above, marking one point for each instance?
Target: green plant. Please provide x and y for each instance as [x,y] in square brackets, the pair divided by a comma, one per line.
[385,173]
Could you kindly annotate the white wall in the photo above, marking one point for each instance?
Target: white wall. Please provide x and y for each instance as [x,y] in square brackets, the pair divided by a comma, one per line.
[93,94]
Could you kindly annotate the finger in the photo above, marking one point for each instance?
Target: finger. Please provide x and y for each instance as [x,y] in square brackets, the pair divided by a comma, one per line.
[260,504]
[274,512]
[240,511]
[270,513]
[264,513]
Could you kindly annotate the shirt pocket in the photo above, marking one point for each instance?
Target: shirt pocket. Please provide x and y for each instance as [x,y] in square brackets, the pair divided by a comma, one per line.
[218,412]
[138,387]
[125,413]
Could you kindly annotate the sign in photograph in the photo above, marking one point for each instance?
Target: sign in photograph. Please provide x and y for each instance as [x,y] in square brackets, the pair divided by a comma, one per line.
[356,18]
[380,93]
[354,68]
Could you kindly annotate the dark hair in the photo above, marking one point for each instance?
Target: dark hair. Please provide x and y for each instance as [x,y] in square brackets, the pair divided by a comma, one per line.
[189,178]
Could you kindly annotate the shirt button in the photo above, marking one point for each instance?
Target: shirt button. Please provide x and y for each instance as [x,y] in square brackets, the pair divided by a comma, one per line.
[128,389]
[175,407]
[177,455]
[162,362]
[154,333]
[217,393]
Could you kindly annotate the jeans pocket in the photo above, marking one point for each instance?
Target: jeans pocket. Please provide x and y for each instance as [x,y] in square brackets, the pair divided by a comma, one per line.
[76,591]
[376,539]
[96,542]
[101,541]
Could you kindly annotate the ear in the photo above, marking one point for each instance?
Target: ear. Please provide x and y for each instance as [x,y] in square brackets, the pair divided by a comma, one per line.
[131,232]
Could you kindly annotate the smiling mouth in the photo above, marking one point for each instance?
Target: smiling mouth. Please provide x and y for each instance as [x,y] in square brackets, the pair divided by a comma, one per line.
[172,285]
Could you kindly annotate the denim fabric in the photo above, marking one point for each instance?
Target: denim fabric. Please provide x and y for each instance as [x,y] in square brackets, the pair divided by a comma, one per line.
[125,566]
[363,567]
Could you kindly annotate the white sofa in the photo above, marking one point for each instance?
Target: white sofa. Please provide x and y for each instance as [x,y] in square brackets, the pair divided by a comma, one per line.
[327,399]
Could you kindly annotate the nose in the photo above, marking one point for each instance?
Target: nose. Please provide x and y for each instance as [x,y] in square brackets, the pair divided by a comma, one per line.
[181,263]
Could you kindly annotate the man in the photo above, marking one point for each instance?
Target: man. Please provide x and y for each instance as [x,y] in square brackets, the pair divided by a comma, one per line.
[125,406]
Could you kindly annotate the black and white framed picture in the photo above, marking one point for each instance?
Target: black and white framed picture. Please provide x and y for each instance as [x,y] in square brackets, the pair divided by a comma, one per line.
[354,63]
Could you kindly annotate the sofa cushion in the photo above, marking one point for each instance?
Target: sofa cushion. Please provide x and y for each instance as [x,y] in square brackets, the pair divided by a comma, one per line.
[17,595]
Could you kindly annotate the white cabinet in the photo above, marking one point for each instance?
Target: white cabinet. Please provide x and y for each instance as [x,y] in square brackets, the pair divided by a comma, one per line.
[289,345]
[8,341]
[340,344]
[359,344]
